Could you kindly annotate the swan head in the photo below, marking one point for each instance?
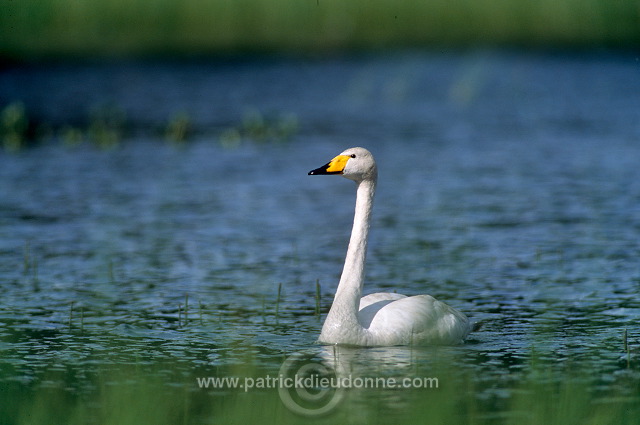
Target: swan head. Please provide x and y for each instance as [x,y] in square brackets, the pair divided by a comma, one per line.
[354,163]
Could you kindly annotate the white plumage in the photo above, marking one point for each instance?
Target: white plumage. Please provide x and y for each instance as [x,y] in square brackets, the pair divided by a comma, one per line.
[379,319]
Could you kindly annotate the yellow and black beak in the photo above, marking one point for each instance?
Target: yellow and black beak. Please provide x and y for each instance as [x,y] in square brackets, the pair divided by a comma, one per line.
[335,166]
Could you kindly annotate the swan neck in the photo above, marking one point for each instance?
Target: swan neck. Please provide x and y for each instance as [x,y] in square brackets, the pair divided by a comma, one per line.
[349,289]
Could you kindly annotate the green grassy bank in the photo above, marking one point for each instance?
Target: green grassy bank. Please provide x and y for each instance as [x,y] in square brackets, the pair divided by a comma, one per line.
[37,28]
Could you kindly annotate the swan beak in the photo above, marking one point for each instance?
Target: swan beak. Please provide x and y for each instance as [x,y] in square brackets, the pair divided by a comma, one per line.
[335,166]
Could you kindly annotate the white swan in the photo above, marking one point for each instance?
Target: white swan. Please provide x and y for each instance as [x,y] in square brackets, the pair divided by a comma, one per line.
[380,319]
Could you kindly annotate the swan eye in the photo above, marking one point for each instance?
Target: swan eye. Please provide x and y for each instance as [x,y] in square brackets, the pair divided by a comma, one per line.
[353,155]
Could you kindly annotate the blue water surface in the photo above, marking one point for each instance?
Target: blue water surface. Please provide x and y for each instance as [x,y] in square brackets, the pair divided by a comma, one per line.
[509,188]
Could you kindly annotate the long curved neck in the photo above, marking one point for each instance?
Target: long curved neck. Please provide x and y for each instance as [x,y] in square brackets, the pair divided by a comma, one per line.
[349,292]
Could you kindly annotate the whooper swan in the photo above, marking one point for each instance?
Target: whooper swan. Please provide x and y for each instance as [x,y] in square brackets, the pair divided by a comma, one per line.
[380,319]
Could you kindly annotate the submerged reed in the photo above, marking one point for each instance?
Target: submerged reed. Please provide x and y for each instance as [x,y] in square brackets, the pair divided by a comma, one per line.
[26,257]
[317,297]
[278,300]
[71,314]
[186,308]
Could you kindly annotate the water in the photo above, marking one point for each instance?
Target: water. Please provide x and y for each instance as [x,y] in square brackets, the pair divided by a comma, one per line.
[509,188]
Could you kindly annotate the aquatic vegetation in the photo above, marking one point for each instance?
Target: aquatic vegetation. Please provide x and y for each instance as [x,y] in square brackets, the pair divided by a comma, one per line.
[13,126]
[135,390]
[278,300]
[71,136]
[230,138]
[317,297]
[107,127]
[257,128]
[179,128]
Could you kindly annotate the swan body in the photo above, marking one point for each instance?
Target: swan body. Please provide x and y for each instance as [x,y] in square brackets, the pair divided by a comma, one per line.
[380,319]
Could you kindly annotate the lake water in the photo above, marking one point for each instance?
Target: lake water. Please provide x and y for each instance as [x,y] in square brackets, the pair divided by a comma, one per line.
[509,188]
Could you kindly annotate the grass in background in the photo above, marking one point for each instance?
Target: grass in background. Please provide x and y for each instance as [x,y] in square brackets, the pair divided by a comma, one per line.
[41,28]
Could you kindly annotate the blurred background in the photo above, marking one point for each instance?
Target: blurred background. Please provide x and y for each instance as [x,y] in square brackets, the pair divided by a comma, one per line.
[157,224]
[54,28]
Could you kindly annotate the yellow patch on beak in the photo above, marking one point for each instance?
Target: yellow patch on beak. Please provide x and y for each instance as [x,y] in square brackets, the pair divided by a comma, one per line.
[337,164]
